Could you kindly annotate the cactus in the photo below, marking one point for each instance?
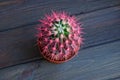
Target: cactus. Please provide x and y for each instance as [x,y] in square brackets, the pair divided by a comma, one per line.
[59,37]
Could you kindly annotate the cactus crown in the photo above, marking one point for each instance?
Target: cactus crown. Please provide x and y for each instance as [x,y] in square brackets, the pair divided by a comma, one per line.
[60,27]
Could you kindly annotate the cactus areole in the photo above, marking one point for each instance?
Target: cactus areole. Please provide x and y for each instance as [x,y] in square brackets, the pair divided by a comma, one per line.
[59,37]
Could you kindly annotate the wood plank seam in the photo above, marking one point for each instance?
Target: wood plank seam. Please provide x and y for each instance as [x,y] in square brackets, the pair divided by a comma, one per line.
[41,58]
[77,14]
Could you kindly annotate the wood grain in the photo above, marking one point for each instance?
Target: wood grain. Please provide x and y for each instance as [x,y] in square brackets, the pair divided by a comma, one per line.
[95,63]
[19,45]
[15,13]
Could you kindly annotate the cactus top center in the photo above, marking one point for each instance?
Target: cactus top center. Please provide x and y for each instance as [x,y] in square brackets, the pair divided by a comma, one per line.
[61,27]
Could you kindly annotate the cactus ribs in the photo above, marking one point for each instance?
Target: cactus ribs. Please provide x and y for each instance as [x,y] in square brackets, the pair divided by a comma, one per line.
[59,37]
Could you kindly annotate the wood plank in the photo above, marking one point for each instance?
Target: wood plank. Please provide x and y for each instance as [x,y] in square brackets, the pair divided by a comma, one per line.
[96,63]
[18,45]
[14,13]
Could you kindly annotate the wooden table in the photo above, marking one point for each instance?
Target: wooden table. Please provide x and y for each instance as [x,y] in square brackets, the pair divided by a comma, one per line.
[98,59]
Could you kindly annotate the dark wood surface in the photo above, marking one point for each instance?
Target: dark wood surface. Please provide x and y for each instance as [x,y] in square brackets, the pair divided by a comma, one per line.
[19,13]
[95,63]
[98,59]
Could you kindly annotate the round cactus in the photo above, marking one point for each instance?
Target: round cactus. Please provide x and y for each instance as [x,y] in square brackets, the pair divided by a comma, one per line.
[59,37]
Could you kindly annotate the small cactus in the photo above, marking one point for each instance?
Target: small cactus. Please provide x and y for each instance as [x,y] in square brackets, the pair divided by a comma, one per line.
[59,37]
